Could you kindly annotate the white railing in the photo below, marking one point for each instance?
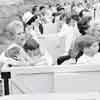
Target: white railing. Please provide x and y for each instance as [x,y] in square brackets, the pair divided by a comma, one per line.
[47,79]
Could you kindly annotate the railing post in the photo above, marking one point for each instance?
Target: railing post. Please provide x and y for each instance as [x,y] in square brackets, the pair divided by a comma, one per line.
[6,76]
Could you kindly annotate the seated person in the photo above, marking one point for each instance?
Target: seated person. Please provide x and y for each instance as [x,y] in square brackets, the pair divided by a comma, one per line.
[37,56]
[14,53]
[12,56]
[89,45]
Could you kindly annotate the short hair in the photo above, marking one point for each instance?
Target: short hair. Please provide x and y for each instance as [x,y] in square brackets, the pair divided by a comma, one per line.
[85,42]
[31,44]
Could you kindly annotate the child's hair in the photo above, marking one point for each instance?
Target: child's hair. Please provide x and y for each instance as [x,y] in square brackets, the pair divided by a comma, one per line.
[31,44]
[85,42]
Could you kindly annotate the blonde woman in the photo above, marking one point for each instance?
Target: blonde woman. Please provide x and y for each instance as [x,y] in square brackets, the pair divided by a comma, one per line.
[15,51]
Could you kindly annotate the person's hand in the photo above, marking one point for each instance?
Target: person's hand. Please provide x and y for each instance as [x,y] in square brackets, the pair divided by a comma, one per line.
[70,61]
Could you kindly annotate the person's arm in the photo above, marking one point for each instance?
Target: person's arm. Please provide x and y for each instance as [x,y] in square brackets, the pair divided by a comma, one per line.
[46,58]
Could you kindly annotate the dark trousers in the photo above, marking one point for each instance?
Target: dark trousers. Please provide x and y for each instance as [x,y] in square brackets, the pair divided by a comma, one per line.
[61,59]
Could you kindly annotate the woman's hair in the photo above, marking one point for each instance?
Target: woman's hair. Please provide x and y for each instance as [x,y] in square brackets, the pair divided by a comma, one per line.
[31,44]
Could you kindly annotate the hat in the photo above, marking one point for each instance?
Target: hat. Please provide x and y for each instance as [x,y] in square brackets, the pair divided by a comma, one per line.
[27,16]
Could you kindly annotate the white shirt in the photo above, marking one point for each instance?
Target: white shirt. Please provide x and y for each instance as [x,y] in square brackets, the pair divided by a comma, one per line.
[84,59]
[70,33]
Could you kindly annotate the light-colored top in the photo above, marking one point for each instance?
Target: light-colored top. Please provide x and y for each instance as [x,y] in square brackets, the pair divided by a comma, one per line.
[70,33]
[84,59]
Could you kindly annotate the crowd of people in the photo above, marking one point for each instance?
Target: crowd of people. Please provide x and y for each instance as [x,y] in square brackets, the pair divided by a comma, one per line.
[78,23]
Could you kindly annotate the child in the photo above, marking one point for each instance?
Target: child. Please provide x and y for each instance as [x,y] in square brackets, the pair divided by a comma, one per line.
[37,56]
[89,45]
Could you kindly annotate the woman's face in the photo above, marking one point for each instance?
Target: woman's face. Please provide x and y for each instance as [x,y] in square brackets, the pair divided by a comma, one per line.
[20,38]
